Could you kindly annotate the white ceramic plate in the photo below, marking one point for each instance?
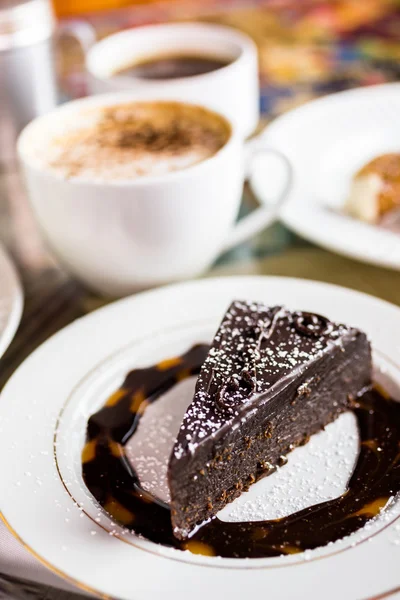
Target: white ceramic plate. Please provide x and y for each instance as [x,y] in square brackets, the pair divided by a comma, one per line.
[11,301]
[44,410]
[327,141]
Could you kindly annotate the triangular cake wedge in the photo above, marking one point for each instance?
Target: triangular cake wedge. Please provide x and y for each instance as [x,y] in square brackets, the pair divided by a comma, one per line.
[271,379]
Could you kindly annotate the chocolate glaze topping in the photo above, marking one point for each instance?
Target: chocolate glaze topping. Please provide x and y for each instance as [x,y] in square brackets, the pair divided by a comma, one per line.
[255,349]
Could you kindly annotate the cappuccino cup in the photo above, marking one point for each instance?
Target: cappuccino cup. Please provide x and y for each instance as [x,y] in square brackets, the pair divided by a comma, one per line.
[133,192]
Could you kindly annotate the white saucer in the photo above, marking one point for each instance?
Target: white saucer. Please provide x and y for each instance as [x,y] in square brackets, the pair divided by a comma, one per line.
[11,301]
[44,410]
[327,141]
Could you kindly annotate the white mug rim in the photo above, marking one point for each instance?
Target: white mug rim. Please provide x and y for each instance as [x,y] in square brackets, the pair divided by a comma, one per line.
[244,44]
[115,98]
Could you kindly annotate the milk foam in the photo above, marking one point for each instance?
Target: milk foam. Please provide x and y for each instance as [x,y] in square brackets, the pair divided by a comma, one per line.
[129,141]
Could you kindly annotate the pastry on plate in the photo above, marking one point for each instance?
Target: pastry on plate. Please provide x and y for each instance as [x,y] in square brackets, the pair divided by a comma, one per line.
[375,189]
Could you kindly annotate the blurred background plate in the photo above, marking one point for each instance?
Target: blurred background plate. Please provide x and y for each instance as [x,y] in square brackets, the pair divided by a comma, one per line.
[327,141]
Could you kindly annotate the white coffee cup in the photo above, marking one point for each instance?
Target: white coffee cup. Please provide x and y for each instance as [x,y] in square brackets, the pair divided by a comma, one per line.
[232,90]
[119,236]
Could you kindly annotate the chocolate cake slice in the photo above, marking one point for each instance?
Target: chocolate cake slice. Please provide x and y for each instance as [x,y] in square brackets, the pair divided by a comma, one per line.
[271,379]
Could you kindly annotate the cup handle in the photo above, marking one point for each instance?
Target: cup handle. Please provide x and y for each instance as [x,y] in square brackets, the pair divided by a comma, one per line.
[266,213]
[82,31]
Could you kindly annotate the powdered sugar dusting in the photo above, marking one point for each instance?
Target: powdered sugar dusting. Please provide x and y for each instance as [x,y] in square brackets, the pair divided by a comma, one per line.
[149,449]
[255,349]
[314,473]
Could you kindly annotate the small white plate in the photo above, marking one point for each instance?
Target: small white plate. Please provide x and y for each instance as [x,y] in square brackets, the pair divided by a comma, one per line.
[11,301]
[43,415]
[327,141]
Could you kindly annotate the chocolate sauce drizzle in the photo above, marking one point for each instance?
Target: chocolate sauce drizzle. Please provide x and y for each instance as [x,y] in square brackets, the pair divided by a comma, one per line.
[115,485]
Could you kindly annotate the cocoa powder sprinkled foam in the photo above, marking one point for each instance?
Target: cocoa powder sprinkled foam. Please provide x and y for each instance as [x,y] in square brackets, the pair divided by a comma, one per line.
[131,140]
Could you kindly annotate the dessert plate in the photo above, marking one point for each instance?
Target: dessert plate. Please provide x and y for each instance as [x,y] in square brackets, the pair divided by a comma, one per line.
[327,141]
[44,410]
[11,301]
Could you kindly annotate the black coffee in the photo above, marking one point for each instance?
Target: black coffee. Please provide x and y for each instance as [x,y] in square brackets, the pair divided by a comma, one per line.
[172,67]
